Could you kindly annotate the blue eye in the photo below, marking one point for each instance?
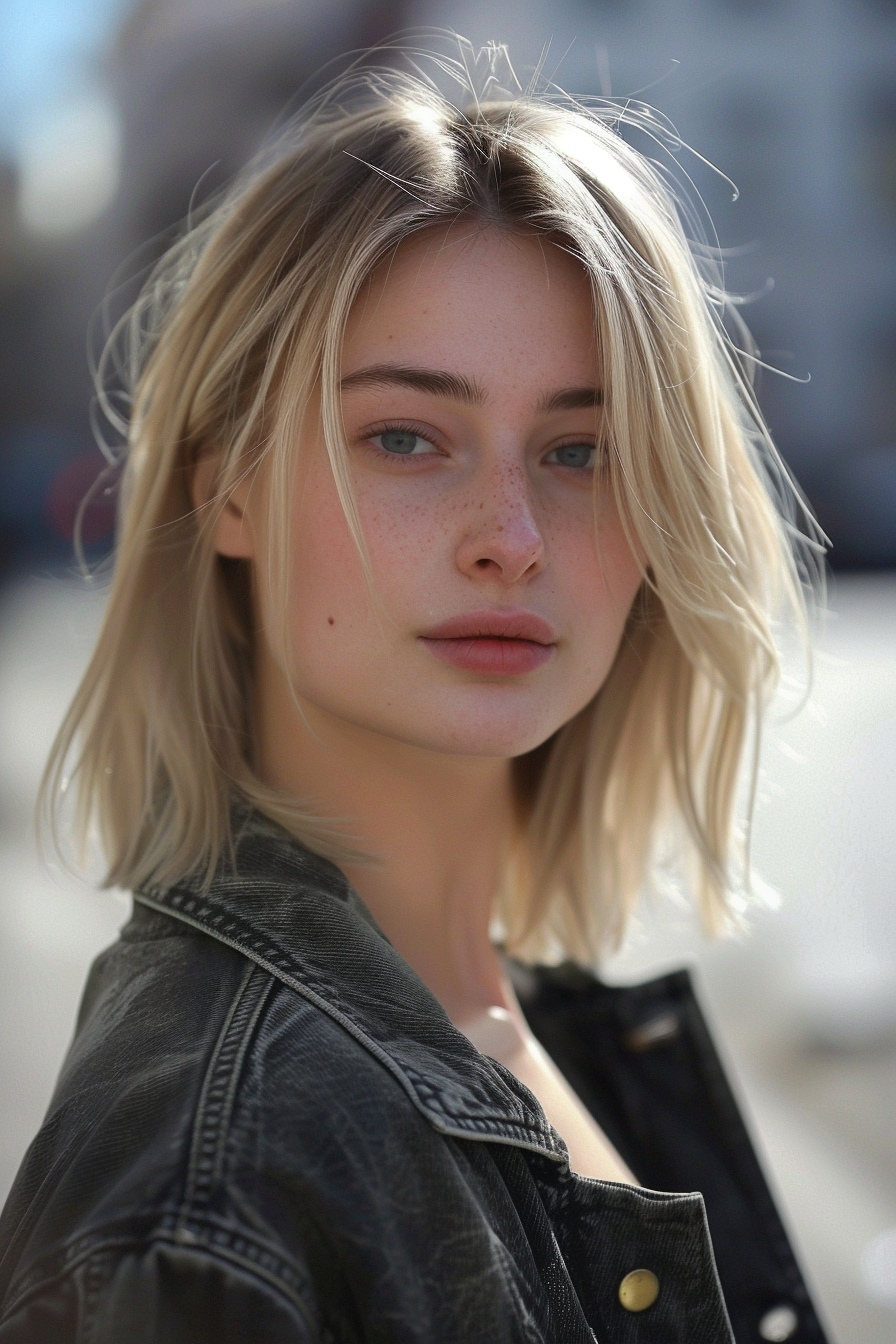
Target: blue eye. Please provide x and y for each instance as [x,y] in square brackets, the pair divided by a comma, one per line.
[572,455]
[401,442]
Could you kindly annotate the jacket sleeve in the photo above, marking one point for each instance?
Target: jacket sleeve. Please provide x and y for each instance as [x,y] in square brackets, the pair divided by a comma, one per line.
[163,1294]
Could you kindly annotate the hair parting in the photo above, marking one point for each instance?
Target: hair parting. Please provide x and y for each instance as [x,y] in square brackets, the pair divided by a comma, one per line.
[236,341]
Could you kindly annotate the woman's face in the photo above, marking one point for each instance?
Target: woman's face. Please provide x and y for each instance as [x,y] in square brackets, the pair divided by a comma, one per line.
[471,397]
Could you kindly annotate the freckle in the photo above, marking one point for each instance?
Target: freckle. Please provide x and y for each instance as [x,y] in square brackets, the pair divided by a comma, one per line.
[330,620]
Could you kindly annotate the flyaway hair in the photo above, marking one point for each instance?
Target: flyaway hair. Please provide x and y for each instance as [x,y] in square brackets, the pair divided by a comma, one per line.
[236,340]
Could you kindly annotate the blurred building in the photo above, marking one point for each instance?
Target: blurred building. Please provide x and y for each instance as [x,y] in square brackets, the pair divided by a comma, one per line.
[199,84]
[171,103]
[794,100]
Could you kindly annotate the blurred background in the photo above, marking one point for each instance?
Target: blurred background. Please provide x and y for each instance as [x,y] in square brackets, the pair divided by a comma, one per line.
[115,116]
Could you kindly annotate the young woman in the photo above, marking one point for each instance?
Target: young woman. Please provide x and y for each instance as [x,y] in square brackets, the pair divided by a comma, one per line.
[447,568]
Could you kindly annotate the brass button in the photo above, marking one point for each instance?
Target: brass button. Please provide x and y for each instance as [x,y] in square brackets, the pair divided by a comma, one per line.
[639,1290]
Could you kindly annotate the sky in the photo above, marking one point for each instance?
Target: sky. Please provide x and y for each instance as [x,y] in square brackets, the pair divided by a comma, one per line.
[48,57]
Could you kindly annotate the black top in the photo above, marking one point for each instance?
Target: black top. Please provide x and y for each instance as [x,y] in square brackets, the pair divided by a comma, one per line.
[268,1129]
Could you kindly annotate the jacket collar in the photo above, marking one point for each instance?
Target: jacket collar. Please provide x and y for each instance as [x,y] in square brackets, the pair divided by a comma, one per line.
[295,914]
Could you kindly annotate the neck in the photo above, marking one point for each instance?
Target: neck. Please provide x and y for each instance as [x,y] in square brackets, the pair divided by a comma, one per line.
[437,827]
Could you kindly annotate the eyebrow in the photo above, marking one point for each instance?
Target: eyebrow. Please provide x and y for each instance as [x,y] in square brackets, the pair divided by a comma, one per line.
[437,382]
[441,383]
[572,399]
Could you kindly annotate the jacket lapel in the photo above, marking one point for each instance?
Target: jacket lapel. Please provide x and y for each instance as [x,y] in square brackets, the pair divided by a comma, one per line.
[295,914]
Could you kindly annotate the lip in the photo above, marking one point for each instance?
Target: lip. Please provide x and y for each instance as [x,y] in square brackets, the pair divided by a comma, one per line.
[493,643]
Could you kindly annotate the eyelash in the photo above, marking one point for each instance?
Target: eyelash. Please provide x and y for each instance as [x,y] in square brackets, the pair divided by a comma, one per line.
[407,427]
[573,443]
[398,427]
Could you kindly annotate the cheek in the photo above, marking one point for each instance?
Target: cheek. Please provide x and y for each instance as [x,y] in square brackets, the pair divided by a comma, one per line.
[622,566]
[326,572]
[330,591]
[601,576]
[411,533]
[395,532]
[595,561]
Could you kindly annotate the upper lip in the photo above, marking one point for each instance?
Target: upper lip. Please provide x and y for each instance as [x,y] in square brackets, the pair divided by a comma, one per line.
[494,625]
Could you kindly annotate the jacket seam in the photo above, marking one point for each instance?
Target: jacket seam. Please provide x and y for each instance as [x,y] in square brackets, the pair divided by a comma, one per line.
[212,1123]
[474,1128]
[203,1238]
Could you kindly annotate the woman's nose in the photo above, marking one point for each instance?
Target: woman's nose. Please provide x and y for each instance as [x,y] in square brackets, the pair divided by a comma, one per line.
[502,538]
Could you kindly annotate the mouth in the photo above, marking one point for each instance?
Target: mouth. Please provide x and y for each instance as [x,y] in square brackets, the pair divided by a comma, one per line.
[493,643]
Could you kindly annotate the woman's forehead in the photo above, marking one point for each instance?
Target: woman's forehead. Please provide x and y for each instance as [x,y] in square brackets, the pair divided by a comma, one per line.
[476,301]
[447,255]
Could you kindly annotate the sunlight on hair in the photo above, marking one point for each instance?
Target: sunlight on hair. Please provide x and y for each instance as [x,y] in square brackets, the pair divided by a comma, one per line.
[240,329]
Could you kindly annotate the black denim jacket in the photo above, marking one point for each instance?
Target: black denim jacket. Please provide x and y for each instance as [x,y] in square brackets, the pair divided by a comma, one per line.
[267,1129]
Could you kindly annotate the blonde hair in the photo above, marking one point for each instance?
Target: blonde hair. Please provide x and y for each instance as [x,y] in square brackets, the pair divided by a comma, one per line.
[242,323]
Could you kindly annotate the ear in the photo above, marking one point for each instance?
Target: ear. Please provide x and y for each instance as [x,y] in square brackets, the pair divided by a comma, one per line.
[233,531]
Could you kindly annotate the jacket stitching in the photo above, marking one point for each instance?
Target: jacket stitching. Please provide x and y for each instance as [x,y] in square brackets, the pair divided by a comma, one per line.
[676,989]
[98,1271]
[254,1011]
[201,1235]
[219,1088]
[515,1130]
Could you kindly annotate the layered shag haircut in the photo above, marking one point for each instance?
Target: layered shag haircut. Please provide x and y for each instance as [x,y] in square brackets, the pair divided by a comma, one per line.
[237,331]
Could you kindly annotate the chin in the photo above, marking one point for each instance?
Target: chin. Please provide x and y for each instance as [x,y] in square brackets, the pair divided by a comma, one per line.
[491,734]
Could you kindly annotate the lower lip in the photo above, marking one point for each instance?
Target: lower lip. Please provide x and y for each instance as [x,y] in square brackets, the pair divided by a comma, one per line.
[491,657]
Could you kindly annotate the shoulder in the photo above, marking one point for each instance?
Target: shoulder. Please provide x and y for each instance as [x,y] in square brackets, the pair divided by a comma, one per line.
[322,1108]
[210,1124]
[149,1289]
[93,1240]
[170,1015]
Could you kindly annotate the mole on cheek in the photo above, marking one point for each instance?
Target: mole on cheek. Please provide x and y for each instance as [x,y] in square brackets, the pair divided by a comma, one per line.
[330,620]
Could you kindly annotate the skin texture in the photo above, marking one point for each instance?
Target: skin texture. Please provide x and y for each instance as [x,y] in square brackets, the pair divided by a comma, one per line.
[485,515]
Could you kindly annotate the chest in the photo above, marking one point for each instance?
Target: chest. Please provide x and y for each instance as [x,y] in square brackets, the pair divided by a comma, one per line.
[500,1035]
